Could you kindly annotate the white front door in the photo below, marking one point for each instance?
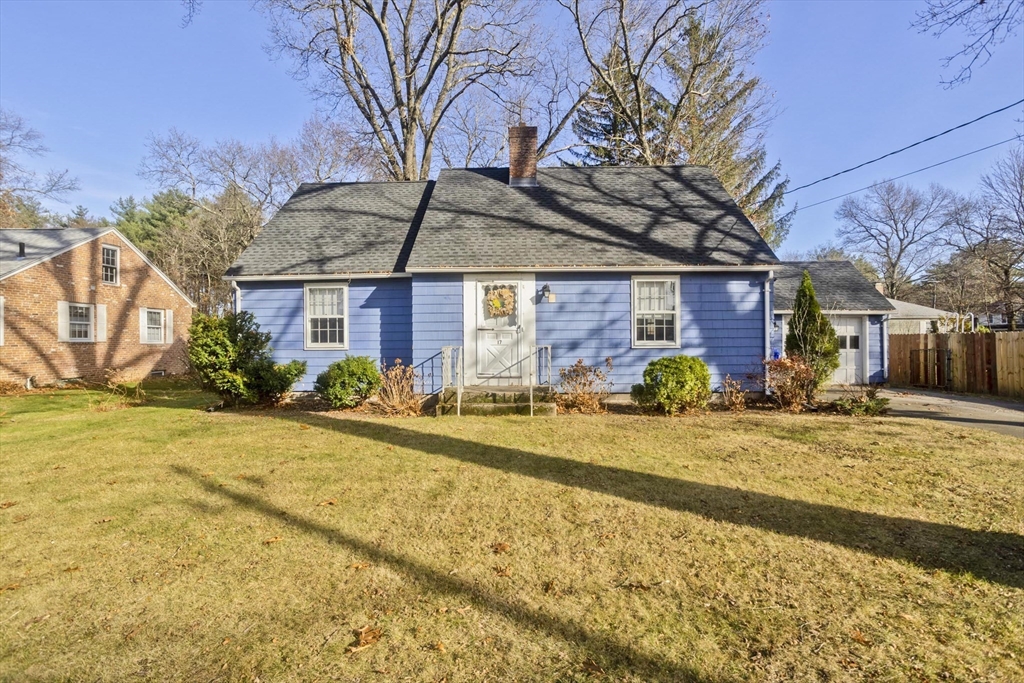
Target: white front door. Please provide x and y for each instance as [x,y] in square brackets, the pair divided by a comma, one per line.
[852,343]
[499,329]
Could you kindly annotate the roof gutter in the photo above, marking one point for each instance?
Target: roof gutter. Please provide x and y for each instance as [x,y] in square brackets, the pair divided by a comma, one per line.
[302,277]
[765,268]
[839,311]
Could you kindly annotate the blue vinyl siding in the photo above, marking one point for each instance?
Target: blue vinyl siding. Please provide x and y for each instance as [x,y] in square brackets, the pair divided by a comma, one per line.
[721,321]
[436,322]
[380,315]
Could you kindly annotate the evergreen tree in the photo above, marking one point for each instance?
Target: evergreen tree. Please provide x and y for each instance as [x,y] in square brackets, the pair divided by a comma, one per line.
[721,126]
[607,138]
[811,335]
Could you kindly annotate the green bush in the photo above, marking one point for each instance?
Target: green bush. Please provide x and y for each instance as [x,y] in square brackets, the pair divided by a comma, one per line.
[812,337]
[869,404]
[233,358]
[348,382]
[674,384]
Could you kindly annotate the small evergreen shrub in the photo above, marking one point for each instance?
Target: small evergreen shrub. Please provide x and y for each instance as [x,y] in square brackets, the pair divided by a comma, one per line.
[583,388]
[673,385]
[233,358]
[347,383]
[812,337]
[787,382]
[869,404]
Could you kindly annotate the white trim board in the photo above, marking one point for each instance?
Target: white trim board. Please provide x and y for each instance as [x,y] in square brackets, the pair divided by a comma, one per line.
[836,311]
[511,271]
[313,276]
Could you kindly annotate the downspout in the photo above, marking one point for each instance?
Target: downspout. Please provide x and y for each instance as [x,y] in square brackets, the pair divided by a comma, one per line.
[768,321]
[885,348]
[238,297]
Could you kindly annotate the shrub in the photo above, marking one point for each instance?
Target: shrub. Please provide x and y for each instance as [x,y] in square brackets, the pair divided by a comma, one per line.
[348,382]
[583,388]
[734,395]
[397,393]
[812,337]
[674,384]
[233,358]
[787,381]
[868,404]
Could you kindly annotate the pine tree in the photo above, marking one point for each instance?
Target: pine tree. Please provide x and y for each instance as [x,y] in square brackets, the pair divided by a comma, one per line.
[603,129]
[721,126]
[811,335]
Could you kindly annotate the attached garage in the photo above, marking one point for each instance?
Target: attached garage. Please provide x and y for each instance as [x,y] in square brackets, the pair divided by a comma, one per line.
[858,311]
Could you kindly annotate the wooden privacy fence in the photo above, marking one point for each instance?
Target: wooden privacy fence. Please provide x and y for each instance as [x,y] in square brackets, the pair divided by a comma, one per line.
[991,363]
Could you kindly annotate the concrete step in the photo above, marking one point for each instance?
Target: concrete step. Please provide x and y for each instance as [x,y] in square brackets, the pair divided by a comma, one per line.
[497,395]
[497,408]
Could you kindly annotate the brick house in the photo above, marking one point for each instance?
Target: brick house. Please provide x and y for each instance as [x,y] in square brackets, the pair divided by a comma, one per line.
[78,301]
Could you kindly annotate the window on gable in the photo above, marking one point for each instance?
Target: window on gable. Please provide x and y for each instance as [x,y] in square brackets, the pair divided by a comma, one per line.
[655,314]
[326,308]
[79,322]
[111,264]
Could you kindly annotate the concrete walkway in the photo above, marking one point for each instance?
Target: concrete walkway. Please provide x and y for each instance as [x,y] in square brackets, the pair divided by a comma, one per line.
[981,412]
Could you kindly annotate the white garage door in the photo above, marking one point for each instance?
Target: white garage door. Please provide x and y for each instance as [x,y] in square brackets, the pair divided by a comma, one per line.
[852,344]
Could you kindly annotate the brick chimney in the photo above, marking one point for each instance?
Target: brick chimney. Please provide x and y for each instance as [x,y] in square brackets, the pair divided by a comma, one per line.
[522,156]
[880,286]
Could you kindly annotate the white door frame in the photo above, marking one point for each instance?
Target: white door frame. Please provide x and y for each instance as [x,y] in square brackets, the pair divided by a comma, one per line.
[527,314]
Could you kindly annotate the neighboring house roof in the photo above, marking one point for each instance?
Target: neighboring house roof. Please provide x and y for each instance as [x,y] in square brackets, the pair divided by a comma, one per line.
[655,216]
[838,285]
[42,244]
[908,311]
[338,229]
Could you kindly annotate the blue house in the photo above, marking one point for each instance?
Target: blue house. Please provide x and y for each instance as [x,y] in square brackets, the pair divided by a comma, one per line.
[520,271]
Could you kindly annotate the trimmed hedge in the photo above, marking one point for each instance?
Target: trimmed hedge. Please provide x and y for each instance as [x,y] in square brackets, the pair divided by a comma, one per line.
[674,384]
[348,382]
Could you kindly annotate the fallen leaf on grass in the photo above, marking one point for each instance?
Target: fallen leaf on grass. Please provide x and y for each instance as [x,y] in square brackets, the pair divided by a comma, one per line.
[365,637]
[104,520]
[73,568]
[329,501]
[8,504]
[439,646]
[463,610]
[59,467]
[10,587]
[359,565]
[591,667]
[499,548]
[226,641]
[303,426]
[859,637]
[18,519]
[503,571]
[638,586]
[275,539]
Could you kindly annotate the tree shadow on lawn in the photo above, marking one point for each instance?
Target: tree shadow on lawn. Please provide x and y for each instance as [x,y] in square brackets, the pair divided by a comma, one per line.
[610,653]
[991,555]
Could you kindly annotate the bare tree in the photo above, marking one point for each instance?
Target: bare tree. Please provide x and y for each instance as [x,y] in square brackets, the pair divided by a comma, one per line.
[897,228]
[19,185]
[990,227]
[984,23]
[401,65]
[327,151]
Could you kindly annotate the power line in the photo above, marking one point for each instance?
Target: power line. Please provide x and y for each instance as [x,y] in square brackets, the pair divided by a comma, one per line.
[903,149]
[868,187]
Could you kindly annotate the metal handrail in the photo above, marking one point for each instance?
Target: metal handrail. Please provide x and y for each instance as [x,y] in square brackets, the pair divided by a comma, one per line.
[535,353]
[453,373]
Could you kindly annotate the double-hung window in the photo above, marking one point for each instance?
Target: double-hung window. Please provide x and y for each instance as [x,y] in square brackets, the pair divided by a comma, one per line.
[154,326]
[326,316]
[656,311]
[111,265]
[79,322]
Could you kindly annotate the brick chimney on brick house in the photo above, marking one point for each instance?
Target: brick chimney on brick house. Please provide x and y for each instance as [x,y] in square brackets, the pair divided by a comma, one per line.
[522,156]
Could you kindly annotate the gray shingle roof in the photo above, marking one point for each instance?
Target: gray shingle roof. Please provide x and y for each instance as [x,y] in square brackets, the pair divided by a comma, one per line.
[338,228]
[40,244]
[594,216]
[838,285]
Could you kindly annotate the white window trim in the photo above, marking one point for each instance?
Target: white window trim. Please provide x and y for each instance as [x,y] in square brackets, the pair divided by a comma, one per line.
[117,265]
[306,344]
[632,312]
[92,324]
[163,326]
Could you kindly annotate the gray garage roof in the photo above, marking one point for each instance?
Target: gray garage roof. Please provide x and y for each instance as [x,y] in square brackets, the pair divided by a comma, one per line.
[40,245]
[585,217]
[338,228]
[838,285]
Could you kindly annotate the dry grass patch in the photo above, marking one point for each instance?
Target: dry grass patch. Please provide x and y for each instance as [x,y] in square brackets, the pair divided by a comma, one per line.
[166,543]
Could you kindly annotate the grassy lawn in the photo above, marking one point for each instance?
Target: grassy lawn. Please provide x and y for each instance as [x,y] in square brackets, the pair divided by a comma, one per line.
[165,543]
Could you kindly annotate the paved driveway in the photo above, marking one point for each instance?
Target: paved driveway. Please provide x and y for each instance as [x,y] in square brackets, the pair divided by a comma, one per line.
[1005,417]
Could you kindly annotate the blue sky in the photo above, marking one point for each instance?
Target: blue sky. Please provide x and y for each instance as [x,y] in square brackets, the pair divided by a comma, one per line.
[852,81]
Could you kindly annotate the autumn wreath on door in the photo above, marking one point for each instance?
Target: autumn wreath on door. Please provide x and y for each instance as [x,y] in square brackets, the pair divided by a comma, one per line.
[501,301]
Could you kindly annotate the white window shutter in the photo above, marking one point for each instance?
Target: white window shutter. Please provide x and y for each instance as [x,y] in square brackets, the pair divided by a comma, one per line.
[101,322]
[169,326]
[142,325]
[63,321]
